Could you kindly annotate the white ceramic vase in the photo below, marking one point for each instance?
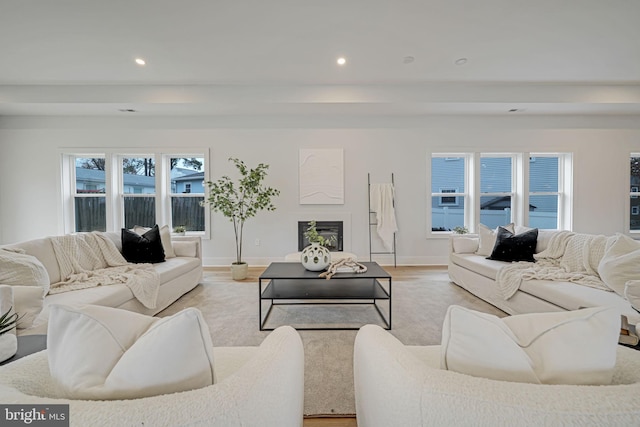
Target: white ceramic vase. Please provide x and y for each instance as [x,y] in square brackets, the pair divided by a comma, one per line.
[315,257]
[8,346]
[239,271]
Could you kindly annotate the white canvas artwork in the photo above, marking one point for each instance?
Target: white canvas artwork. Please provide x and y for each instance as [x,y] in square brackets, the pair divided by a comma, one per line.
[321,176]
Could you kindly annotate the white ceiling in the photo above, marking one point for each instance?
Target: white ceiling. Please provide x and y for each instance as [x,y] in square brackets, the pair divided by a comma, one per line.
[258,57]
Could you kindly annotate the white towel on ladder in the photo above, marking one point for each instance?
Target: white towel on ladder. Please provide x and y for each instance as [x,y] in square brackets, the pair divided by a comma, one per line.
[382,205]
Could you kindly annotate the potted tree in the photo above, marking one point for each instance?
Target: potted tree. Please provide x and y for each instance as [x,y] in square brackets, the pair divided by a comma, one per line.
[240,201]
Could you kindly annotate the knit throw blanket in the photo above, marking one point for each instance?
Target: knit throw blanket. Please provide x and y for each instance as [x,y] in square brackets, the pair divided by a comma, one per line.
[569,257]
[91,259]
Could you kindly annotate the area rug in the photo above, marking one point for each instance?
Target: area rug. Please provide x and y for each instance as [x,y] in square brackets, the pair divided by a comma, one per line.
[420,300]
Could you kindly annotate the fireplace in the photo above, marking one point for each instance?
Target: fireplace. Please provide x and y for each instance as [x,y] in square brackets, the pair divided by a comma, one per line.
[326,229]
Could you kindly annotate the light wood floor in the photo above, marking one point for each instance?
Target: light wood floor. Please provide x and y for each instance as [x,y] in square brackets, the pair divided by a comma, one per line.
[330,422]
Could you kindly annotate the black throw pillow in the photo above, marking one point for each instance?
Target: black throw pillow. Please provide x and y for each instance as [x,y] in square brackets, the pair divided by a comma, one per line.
[515,247]
[146,248]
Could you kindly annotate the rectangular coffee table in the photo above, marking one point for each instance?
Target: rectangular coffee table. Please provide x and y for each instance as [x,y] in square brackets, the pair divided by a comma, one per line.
[289,283]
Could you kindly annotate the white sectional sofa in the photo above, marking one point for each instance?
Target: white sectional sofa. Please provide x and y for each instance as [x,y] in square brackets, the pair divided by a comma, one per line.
[178,275]
[477,274]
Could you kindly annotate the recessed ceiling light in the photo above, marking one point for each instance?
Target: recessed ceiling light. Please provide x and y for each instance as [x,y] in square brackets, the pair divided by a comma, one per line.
[461,61]
[408,59]
[341,61]
[140,61]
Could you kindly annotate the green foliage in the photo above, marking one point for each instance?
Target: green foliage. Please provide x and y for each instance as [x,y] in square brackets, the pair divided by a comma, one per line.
[241,200]
[460,230]
[313,237]
[8,321]
[180,229]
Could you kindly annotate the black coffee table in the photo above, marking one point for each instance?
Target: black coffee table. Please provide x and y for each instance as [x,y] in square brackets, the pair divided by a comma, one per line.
[289,283]
[28,344]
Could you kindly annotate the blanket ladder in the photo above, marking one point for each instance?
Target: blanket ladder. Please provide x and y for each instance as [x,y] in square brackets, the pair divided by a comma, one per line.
[373,223]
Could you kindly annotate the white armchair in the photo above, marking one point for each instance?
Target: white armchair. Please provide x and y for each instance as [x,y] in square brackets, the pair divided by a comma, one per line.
[256,386]
[403,385]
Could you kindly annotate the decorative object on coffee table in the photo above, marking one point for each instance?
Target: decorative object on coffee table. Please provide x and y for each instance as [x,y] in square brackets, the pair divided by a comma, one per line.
[240,201]
[8,321]
[316,256]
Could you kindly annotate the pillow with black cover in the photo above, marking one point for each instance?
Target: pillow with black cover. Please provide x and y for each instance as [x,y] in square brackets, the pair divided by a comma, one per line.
[145,248]
[515,247]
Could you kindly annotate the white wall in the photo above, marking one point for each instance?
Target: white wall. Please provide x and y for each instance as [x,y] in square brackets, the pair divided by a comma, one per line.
[30,150]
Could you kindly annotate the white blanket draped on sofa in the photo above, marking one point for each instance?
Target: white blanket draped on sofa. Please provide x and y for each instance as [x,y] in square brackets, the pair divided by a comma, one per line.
[569,257]
[92,259]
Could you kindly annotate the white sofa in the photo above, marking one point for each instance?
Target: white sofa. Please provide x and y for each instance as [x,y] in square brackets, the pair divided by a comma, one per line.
[398,385]
[178,275]
[256,386]
[477,275]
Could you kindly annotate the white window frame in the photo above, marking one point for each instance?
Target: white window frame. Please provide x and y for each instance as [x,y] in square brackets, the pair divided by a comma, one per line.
[564,193]
[465,195]
[114,184]
[514,210]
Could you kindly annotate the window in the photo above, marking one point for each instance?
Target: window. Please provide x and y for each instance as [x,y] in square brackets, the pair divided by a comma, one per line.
[89,201]
[448,195]
[544,191]
[109,191]
[634,183]
[496,194]
[187,192]
[138,191]
[498,188]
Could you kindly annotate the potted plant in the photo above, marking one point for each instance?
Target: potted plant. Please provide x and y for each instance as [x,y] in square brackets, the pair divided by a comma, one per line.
[8,341]
[240,201]
[460,229]
[313,236]
[180,230]
[316,256]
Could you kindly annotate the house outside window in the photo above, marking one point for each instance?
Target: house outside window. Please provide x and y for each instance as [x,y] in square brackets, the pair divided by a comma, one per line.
[448,200]
[89,191]
[448,191]
[496,189]
[187,192]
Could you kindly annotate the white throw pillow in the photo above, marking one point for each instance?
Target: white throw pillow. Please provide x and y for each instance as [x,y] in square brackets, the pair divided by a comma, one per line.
[488,238]
[17,268]
[106,353]
[165,237]
[28,302]
[632,293]
[186,249]
[621,263]
[465,245]
[572,347]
